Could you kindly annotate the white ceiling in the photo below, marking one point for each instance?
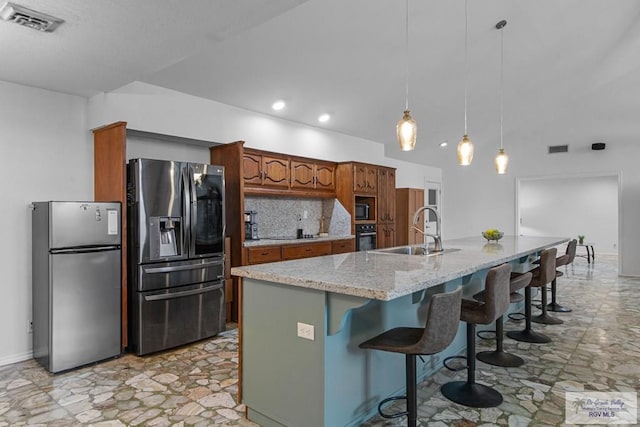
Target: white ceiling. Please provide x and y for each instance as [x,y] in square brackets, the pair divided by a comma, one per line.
[571,64]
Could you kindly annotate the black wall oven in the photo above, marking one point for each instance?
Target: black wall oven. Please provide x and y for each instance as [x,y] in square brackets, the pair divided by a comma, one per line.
[365,237]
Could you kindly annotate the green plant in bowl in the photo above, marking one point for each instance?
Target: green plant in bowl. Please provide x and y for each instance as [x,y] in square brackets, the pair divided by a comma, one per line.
[492,234]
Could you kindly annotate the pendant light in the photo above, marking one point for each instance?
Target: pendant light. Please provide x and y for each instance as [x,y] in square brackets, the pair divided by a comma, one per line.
[502,160]
[407,129]
[465,146]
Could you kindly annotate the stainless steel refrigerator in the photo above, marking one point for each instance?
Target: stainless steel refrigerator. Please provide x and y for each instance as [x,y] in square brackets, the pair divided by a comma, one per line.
[176,253]
[76,283]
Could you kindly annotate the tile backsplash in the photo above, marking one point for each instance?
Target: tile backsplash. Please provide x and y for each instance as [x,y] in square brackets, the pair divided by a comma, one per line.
[281,217]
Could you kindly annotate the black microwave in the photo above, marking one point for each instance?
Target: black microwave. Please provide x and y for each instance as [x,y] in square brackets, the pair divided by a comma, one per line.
[362,211]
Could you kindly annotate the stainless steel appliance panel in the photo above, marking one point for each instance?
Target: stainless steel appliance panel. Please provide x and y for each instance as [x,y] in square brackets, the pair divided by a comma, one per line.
[178,273]
[207,210]
[158,192]
[179,315]
[85,320]
[76,224]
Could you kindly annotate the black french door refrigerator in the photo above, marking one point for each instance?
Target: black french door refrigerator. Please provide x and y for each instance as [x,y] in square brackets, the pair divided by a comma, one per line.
[176,253]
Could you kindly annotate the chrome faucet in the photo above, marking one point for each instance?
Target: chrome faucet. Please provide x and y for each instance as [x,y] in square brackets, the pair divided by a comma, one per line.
[436,237]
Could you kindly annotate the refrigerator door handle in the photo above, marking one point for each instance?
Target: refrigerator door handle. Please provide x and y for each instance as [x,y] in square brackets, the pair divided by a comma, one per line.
[183,293]
[186,208]
[84,250]
[194,209]
[181,267]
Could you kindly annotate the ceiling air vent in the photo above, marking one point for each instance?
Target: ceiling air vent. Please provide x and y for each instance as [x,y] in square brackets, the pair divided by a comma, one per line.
[558,149]
[29,18]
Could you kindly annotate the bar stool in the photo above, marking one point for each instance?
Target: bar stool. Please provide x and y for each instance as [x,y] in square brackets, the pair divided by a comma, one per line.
[470,393]
[499,357]
[440,329]
[565,259]
[541,276]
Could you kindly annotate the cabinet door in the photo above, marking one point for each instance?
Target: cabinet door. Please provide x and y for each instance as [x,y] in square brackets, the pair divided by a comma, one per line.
[386,195]
[416,200]
[325,177]
[343,246]
[306,250]
[386,236]
[275,171]
[365,179]
[252,168]
[302,174]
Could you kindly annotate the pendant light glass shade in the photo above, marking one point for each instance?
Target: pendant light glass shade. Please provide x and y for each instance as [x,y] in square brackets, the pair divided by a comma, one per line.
[501,161]
[465,151]
[407,132]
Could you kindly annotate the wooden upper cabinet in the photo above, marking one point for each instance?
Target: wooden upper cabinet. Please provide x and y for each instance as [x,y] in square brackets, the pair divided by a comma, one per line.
[252,168]
[302,174]
[313,175]
[275,171]
[365,179]
[268,170]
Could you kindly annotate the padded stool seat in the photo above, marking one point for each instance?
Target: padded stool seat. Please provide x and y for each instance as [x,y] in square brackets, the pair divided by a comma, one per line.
[540,277]
[440,329]
[499,357]
[470,393]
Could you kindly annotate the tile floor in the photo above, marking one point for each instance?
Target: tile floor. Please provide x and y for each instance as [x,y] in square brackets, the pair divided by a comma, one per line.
[596,349]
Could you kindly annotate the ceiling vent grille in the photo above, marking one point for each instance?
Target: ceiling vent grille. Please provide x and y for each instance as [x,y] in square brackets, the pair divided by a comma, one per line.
[553,149]
[26,17]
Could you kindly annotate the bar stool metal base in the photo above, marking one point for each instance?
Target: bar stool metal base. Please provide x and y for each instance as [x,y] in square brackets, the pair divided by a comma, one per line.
[500,358]
[473,395]
[557,308]
[545,319]
[529,336]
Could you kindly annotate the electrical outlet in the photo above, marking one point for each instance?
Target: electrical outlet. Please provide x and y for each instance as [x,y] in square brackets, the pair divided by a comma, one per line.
[305,214]
[30,327]
[306,331]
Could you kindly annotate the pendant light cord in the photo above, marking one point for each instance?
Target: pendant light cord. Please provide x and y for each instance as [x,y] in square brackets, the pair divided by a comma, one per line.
[501,83]
[406,107]
[465,67]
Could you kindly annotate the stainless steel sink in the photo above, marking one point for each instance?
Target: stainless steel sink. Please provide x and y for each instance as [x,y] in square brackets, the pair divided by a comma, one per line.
[413,250]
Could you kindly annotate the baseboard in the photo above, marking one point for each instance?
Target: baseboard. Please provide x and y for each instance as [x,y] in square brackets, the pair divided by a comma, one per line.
[15,358]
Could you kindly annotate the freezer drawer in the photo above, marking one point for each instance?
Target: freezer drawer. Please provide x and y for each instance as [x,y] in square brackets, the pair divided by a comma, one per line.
[178,273]
[84,309]
[168,318]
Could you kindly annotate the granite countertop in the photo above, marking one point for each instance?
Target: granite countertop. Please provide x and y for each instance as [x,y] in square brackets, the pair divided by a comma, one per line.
[384,276]
[284,240]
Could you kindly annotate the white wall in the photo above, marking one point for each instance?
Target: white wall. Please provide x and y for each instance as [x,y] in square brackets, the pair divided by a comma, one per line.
[571,206]
[153,109]
[476,198]
[47,154]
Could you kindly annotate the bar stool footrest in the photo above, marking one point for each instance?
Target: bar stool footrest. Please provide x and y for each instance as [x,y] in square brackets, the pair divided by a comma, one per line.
[391,399]
[516,317]
[461,368]
[479,334]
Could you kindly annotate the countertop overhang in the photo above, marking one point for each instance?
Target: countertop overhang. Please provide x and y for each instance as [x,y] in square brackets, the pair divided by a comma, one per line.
[383,276]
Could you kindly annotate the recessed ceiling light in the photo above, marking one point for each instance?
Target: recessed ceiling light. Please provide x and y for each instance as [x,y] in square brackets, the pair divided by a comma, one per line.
[324,118]
[278,105]
[443,144]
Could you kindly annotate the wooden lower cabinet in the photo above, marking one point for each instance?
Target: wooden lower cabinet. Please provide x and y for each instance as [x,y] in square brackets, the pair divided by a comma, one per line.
[263,254]
[408,200]
[308,250]
[386,235]
[343,246]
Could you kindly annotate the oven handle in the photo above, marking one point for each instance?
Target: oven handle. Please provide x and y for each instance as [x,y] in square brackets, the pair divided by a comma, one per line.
[182,267]
[366,234]
[183,293]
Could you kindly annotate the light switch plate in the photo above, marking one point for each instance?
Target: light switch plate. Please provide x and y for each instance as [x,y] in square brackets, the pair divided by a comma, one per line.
[306,331]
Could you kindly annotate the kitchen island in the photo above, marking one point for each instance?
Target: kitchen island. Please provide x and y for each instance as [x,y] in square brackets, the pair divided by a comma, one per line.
[302,322]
